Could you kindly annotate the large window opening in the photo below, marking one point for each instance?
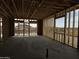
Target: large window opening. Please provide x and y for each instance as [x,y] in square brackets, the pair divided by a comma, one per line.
[72,28]
[25,27]
[67,31]
[59,29]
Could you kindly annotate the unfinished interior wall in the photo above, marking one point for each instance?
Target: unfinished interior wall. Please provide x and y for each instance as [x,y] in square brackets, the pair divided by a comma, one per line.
[8,27]
[63,30]
[5,27]
[48,25]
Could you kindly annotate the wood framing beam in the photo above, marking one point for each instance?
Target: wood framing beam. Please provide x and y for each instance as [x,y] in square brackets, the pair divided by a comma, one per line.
[39,5]
[24,28]
[59,4]
[78,31]
[15,7]
[18,27]
[23,7]
[29,10]
[29,28]
[58,7]
[60,11]
[73,27]
[5,12]
[69,26]
[1,13]
[55,12]
[54,26]
[5,4]
[65,22]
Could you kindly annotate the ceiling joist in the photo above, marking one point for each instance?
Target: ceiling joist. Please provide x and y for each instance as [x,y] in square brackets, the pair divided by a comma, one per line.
[36,9]
[7,7]
[15,8]
[5,12]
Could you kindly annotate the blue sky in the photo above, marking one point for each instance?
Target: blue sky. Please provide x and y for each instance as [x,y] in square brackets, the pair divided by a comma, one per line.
[60,21]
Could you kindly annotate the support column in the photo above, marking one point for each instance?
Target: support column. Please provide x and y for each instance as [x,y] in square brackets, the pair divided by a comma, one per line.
[40,27]
[54,27]
[11,27]
[65,27]
[78,30]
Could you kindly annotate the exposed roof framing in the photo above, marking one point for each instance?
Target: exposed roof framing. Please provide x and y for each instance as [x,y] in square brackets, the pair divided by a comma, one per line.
[5,4]
[15,8]
[33,9]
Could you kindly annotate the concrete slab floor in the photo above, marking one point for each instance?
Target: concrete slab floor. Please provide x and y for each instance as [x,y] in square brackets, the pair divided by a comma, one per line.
[36,48]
